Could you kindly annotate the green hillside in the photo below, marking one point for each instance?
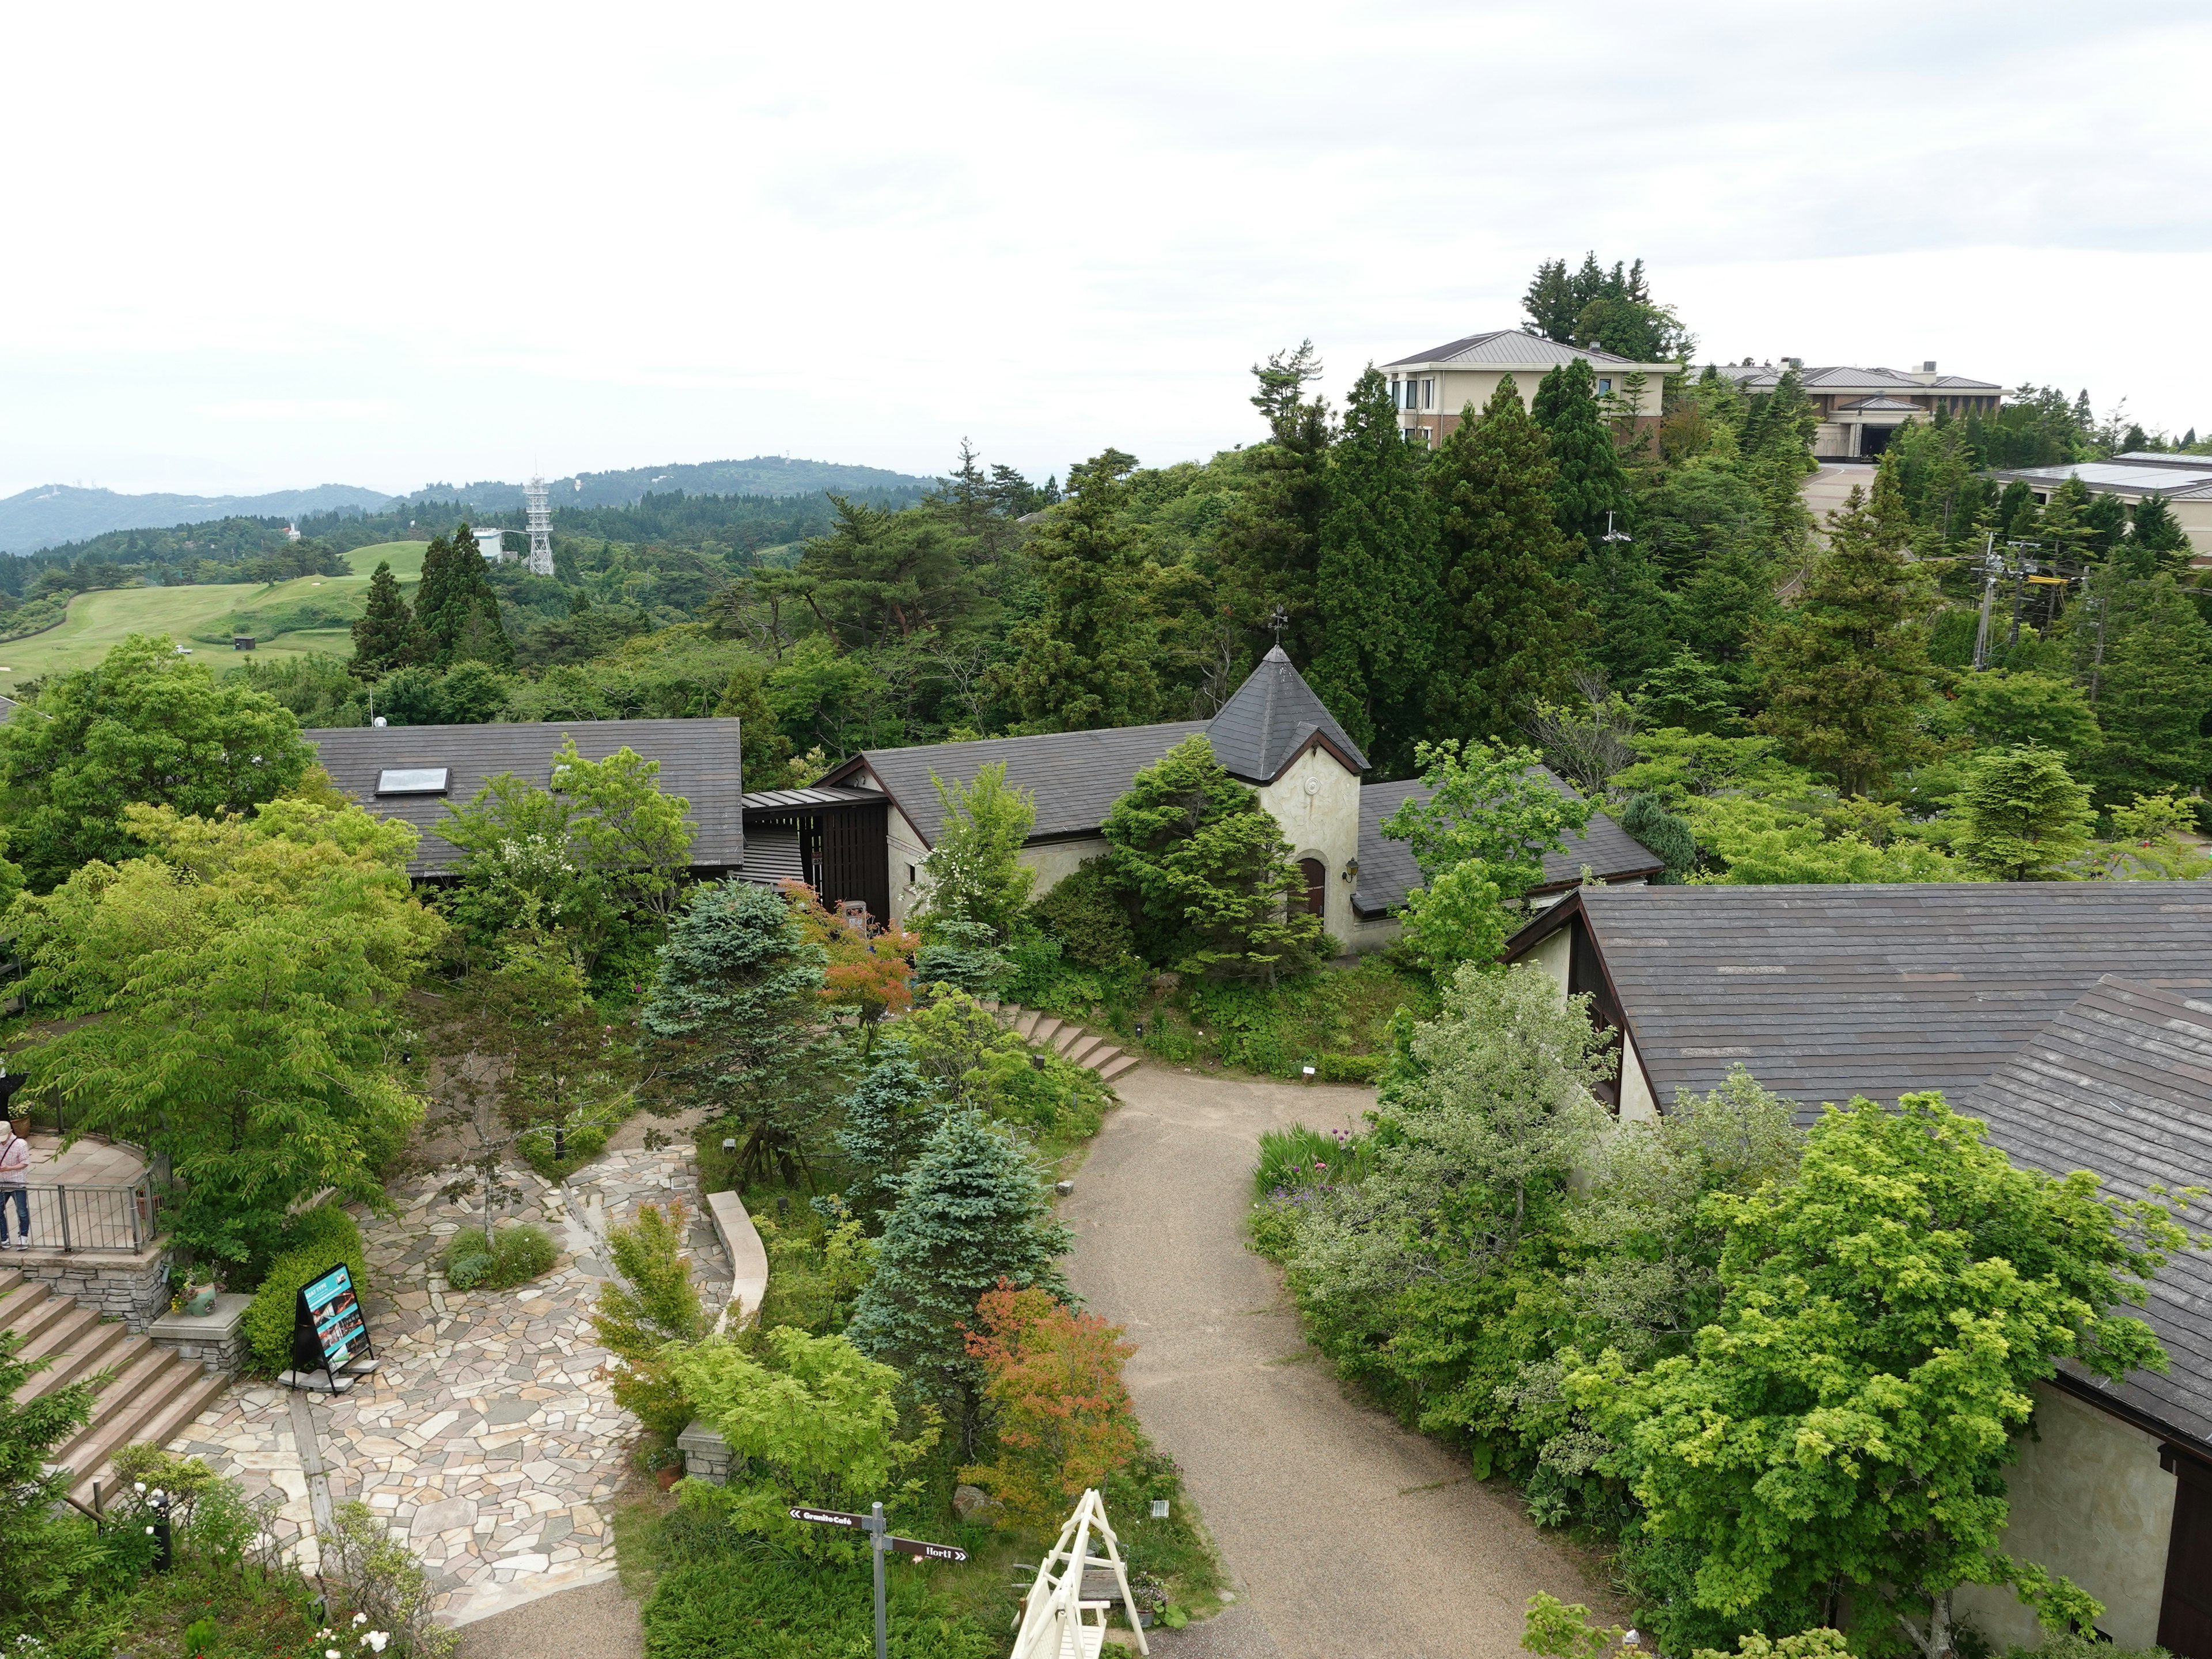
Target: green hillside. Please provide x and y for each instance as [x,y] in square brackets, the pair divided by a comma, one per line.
[286,618]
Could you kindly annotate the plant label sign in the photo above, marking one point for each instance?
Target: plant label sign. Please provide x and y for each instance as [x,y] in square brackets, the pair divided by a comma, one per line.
[831,1518]
[328,1329]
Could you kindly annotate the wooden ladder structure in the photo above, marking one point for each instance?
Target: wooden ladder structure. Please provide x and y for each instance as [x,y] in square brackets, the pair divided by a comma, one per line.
[1052,1623]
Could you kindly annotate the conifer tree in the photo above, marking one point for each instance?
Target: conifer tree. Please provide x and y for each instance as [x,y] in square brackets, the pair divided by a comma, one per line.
[1269,547]
[2022,816]
[1775,453]
[974,1209]
[1636,616]
[1090,658]
[455,608]
[1376,591]
[1846,669]
[890,1116]
[1513,628]
[384,638]
[2154,693]
[1591,482]
[2156,542]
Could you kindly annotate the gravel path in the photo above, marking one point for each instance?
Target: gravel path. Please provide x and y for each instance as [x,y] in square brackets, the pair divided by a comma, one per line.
[1346,1537]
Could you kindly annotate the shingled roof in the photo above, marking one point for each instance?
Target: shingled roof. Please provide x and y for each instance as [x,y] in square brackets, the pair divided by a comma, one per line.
[1269,720]
[1827,992]
[1387,869]
[2120,1083]
[699,760]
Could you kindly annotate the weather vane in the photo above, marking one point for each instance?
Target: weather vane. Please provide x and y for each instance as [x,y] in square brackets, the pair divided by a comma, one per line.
[1278,622]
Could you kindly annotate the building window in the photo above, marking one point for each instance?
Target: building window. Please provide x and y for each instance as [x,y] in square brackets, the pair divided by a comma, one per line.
[1605,385]
[911,875]
[1428,394]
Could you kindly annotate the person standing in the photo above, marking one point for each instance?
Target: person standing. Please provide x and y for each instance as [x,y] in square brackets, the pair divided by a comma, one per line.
[15,1172]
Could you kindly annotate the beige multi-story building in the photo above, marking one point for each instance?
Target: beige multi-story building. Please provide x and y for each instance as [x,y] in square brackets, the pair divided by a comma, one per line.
[2186,481]
[1860,409]
[1432,388]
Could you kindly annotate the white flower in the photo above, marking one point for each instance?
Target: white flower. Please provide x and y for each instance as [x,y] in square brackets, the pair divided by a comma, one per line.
[137,1486]
[375,1639]
[360,1619]
[332,1653]
[150,1532]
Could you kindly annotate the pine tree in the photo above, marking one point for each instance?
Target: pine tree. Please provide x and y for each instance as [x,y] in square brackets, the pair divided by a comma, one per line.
[441,595]
[974,1209]
[1269,546]
[1846,669]
[1636,616]
[2154,693]
[1090,658]
[1375,592]
[455,608]
[384,638]
[1512,628]
[1591,482]
[889,1117]
[2022,816]
[2156,542]
[1775,453]
[1221,896]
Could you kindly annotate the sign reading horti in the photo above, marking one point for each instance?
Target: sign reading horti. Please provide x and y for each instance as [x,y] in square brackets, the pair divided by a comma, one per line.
[918,1549]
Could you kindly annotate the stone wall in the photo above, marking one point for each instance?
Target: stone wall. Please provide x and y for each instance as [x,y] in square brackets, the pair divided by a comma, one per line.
[216,1340]
[706,1455]
[132,1287]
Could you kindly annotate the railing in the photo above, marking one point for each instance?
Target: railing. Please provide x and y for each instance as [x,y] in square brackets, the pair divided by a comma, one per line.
[71,1218]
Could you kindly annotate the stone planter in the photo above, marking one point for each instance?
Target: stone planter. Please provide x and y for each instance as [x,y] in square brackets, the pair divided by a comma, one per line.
[705,1454]
[216,1338]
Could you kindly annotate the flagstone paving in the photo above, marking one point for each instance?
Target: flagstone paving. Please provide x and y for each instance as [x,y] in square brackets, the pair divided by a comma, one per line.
[489,1439]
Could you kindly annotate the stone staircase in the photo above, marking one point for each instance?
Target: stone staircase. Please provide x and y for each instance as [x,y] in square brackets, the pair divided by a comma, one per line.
[152,1392]
[1064,1038]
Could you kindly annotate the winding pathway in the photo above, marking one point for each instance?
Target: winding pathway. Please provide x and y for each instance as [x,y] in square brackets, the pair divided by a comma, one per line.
[1346,1537]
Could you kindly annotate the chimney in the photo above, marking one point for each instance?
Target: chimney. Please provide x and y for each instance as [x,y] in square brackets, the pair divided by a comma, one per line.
[1794,362]
[1925,373]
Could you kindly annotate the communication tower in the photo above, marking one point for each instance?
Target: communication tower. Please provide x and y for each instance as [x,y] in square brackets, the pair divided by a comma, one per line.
[541,528]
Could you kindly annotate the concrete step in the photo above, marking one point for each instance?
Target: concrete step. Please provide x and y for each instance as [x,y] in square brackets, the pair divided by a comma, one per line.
[183,1402]
[1068,1038]
[129,1409]
[99,1350]
[31,1309]
[1083,1048]
[1025,1027]
[1100,1058]
[1009,1012]
[10,1279]
[59,1335]
[1113,1069]
[1046,1030]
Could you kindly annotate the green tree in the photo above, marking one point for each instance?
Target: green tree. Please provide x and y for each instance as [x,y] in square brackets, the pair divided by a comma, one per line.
[1269,545]
[2156,540]
[1219,890]
[1774,454]
[384,637]
[974,1209]
[1375,593]
[455,608]
[738,1013]
[650,1304]
[2152,694]
[48,1556]
[246,975]
[1671,840]
[1589,481]
[1513,626]
[1634,614]
[881,577]
[2021,817]
[888,1118]
[1846,669]
[975,873]
[147,727]
[1090,657]
[1936,1285]
[1998,709]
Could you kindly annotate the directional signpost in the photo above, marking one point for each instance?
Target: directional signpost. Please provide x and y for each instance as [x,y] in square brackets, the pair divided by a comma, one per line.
[880,1540]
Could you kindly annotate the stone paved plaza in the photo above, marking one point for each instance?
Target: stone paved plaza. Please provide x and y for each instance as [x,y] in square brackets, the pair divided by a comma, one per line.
[489,1439]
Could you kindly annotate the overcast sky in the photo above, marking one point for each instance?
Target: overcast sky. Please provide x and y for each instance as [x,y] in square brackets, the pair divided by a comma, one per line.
[262,247]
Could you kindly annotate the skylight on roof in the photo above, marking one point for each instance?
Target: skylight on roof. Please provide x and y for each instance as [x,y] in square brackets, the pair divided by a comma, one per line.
[412,780]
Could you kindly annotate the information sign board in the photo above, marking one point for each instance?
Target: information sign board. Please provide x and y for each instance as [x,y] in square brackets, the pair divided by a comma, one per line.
[329,1329]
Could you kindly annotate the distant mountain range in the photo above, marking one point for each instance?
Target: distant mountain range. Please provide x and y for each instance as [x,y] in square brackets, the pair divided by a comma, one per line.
[53,514]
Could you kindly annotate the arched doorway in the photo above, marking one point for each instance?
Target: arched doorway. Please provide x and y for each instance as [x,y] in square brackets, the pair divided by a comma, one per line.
[1317,877]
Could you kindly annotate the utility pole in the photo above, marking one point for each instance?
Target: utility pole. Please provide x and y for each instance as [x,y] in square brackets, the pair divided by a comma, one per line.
[2096,662]
[2019,552]
[1990,566]
[541,527]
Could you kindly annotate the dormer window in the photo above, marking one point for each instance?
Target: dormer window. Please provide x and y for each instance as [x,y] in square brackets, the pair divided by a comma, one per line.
[412,780]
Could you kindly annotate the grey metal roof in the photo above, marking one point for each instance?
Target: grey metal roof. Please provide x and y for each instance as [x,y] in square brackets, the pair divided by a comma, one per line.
[1839,377]
[1878,405]
[1387,869]
[1511,348]
[7,707]
[2133,478]
[1076,776]
[767,800]
[699,760]
[1270,719]
[1827,992]
[2120,1083]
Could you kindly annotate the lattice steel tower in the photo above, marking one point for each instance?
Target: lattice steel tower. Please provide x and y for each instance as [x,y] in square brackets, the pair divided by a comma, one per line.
[541,528]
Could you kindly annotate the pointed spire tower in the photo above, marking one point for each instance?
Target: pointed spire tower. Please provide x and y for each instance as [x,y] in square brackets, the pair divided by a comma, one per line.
[541,527]
[1270,719]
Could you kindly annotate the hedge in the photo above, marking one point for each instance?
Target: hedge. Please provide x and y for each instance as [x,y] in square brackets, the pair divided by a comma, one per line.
[314,1241]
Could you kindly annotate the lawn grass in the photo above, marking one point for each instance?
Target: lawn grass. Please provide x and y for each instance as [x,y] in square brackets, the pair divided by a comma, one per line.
[99,621]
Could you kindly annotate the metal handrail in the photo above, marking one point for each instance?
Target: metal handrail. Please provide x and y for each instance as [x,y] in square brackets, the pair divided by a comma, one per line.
[72,1218]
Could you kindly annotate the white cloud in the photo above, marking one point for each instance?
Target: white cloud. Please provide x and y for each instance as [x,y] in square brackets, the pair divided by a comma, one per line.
[255,246]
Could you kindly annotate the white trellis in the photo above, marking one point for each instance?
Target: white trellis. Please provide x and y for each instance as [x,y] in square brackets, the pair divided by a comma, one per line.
[1053,1625]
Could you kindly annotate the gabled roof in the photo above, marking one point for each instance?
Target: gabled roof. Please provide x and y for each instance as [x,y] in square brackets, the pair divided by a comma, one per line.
[1878,406]
[1511,348]
[1839,377]
[1827,992]
[1387,869]
[699,760]
[2120,1083]
[1269,720]
[1076,776]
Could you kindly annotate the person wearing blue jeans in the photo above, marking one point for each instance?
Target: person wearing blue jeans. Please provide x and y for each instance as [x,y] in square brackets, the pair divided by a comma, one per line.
[14,1166]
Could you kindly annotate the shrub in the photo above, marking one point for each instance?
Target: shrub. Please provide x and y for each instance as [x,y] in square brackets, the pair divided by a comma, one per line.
[961,953]
[579,1148]
[515,1256]
[814,1276]
[1087,914]
[757,1606]
[312,1244]
[652,1305]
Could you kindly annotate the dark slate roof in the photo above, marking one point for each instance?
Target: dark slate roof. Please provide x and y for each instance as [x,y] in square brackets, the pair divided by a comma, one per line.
[2120,1083]
[699,760]
[1076,776]
[1387,869]
[1270,719]
[1827,992]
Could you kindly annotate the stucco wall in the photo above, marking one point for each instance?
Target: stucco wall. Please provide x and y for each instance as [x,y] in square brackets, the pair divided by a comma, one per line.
[905,853]
[1317,803]
[2088,1500]
[1552,954]
[1054,861]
